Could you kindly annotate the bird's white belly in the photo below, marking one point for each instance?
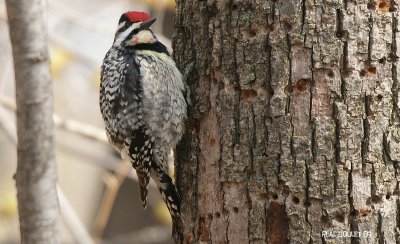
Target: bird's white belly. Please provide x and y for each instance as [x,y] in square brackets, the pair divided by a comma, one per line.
[163,100]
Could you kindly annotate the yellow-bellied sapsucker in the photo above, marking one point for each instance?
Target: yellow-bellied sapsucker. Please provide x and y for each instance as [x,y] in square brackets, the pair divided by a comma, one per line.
[143,103]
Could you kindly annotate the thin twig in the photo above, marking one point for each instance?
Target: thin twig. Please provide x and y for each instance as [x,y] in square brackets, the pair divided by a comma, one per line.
[7,70]
[8,125]
[113,183]
[80,128]
[66,124]
[146,235]
[74,225]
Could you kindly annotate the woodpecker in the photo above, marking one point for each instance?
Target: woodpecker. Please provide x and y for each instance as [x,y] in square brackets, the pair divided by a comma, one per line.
[143,103]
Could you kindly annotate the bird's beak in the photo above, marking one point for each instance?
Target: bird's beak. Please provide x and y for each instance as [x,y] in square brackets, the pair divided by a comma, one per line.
[147,24]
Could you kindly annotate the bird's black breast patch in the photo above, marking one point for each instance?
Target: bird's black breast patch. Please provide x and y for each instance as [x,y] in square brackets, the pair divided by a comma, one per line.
[156,47]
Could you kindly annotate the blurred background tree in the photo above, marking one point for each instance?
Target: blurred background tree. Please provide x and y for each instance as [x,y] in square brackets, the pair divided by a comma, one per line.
[99,197]
[36,171]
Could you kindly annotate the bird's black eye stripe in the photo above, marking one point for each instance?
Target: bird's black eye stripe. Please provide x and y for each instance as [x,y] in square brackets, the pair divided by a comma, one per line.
[123,28]
[134,32]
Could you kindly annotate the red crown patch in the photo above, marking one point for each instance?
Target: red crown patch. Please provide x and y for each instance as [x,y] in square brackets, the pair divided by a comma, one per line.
[135,16]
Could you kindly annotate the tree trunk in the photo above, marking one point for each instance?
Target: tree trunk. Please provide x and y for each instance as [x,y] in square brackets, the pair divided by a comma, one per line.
[294,134]
[36,171]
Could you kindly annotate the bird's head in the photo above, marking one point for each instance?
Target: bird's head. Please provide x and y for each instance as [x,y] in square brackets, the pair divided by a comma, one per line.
[134,28]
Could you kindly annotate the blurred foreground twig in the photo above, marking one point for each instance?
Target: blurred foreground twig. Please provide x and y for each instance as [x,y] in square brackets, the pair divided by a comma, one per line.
[67,124]
[74,224]
[145,235]
[113,183]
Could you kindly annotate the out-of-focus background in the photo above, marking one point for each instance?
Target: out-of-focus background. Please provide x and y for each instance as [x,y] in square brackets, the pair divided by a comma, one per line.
[100,189]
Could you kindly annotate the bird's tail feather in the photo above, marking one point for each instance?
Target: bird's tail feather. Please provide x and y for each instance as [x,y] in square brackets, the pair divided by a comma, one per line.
[170,196]
[143,179]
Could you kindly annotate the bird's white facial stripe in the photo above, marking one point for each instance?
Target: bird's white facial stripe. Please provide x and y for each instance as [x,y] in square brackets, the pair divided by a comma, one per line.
[120,26]
[121,37]
[144,36]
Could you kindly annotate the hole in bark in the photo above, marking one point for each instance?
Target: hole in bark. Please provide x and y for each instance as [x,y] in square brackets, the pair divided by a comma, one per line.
[275,196]
[301,86]
[248,95]
[331,74]
[217,214]
[371,70]
[382,60]
[380,97]
[376,199]
[221,85]
[388,196]
[212,142]
[340,217]
[235,209]
[353,213]
[363,73]
[210,217]
[307,204]
[252,33]
[296,200]
[324,219]
[271,91]
[365,212]
[237,88]
[384,6]
[287,26]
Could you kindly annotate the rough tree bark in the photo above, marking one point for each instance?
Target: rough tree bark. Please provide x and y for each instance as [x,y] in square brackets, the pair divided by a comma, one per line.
[36,171]
[295,124]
